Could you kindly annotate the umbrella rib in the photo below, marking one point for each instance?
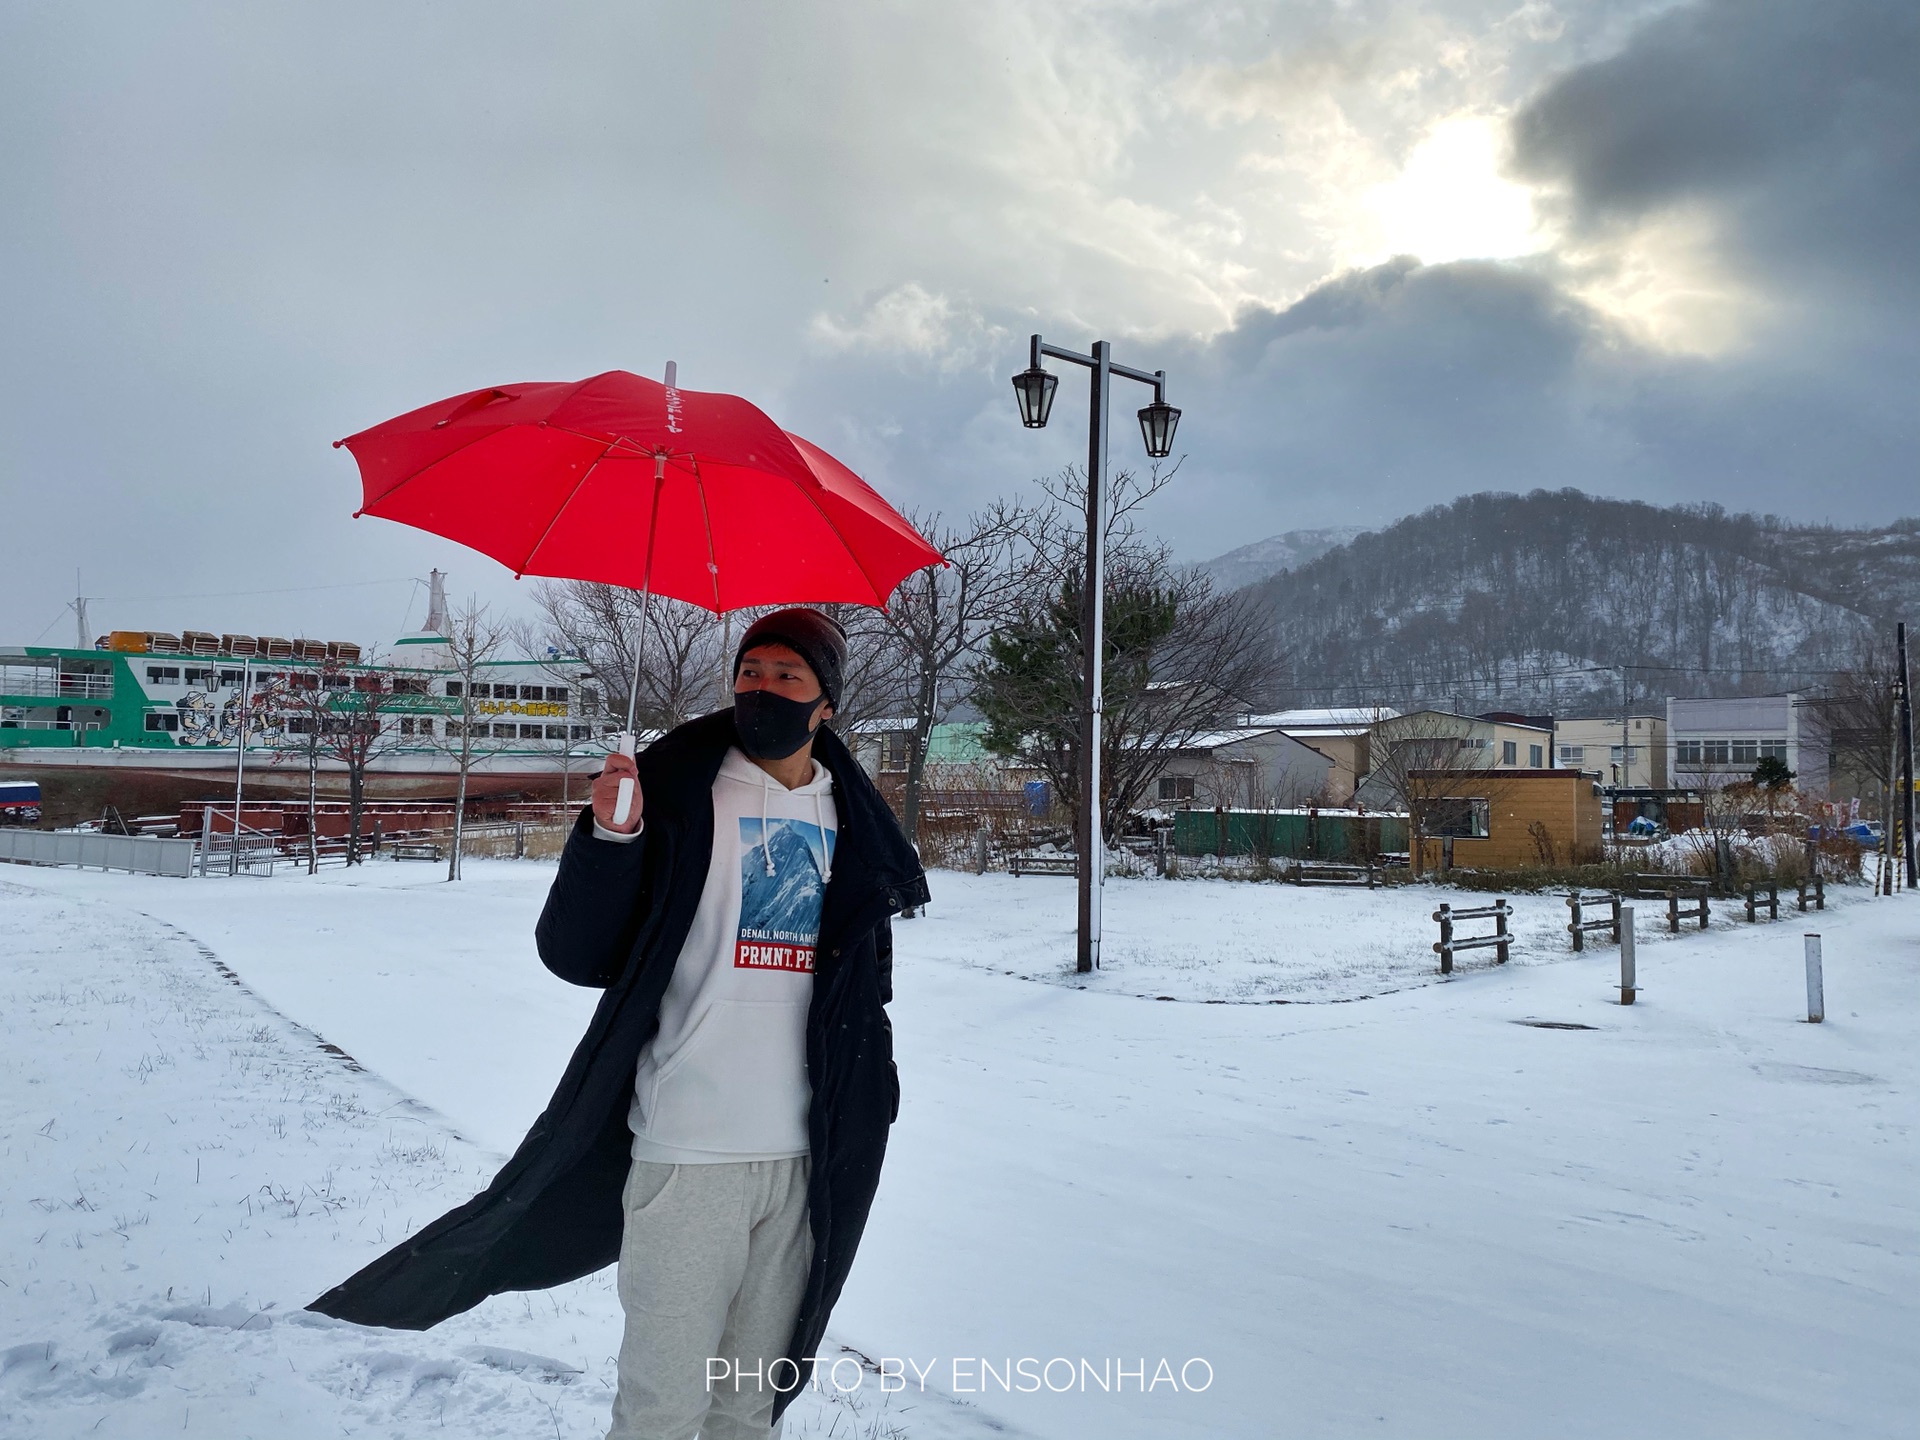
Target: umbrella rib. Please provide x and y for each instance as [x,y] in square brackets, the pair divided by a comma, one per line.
[879,600]
[560,510]
[457,450]
[706,519]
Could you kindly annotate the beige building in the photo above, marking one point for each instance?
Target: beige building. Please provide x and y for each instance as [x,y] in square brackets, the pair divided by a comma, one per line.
[1596,746]
[1341,734]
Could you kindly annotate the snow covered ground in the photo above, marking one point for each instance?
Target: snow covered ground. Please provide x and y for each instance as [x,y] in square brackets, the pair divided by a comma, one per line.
[1418,1215]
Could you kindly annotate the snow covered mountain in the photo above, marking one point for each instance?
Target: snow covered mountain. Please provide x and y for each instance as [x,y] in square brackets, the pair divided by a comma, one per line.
[1253,563]
[1536,600]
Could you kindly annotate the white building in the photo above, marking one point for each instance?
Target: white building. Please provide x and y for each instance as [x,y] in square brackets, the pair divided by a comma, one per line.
[1711,743]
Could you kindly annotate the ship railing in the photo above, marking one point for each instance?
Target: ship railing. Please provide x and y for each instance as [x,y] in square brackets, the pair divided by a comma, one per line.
[36,682]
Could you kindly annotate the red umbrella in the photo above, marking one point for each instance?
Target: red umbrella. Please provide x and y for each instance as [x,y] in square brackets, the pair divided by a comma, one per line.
[621,479]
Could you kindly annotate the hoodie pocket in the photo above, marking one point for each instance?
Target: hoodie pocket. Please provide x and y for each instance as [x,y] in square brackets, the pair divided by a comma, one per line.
[738,1082]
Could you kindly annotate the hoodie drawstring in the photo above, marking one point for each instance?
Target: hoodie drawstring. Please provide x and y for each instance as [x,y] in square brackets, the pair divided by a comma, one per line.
[766,839]
[819,823]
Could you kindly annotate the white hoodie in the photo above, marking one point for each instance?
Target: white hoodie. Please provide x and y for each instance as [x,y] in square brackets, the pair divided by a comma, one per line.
[725,1076]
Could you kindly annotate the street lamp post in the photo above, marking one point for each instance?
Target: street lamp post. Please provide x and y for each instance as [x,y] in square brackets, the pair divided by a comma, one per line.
[1034,388]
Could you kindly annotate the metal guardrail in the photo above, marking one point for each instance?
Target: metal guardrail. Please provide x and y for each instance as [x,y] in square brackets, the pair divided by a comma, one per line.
[137,854]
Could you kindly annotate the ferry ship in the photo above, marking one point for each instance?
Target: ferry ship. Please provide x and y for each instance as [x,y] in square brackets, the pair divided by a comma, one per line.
[144,719]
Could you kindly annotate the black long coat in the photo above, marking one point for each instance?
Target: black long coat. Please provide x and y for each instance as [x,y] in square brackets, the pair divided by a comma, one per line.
[616,919]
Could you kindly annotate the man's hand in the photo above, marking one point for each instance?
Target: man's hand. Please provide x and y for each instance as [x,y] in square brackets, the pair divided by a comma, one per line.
[606,794]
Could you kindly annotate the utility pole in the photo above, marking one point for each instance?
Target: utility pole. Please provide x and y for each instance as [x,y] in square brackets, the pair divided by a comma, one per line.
[239,763]
[1626,728]
[1904,680]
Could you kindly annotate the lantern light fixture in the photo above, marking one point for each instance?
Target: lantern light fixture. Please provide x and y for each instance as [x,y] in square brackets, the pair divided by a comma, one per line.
[1157,424]
[1033,388]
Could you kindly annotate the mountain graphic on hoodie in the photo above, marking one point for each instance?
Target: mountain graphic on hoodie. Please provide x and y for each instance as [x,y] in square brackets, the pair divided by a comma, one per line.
[783,906]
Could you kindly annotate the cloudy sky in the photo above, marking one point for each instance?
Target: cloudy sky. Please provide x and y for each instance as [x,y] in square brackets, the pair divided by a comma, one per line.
[1389,251]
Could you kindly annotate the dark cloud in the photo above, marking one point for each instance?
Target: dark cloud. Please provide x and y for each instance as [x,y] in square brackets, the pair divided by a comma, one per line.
[1795,125]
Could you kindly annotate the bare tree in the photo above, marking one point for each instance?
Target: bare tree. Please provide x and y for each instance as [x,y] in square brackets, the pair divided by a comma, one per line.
[939,617]
[474,638]
[305,704]
[685,672]
[1428,764]
[356,732]
[1178,658]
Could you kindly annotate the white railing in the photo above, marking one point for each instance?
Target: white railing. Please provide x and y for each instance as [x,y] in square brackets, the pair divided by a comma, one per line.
[43,682]
[139,854]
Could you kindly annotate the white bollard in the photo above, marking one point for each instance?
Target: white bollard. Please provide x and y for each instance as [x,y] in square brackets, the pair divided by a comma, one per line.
[1816,986]
[1628,981]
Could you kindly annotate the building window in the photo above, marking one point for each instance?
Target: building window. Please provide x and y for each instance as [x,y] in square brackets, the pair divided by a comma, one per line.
[165,721]
[1632,753]
[1715,752]
[1536,756]
[1509,752]
[895,746]
[1745,752]
[1773,750]
[1176,787]
[1572,754]
[1466,819]
[163,675]
[1686,752]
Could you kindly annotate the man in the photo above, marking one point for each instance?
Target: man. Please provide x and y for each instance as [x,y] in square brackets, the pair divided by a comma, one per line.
[721,1126]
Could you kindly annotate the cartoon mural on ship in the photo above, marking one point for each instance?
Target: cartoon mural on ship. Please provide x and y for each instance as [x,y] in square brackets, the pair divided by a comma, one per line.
[207,721]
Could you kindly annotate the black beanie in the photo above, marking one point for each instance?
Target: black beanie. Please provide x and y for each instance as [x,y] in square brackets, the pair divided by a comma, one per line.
[816,638]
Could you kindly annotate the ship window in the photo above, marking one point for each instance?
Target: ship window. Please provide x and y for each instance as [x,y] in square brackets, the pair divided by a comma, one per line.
[556,732]
[533,732]
[580,732]
[482,690]
[454,687]
[164,721]
[299,724]
[557,694]
[163,674]
[409,685]
[506,692]
[232,677]
[200,677]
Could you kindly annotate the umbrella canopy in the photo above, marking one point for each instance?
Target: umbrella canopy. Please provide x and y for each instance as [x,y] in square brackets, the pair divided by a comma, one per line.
[621,479]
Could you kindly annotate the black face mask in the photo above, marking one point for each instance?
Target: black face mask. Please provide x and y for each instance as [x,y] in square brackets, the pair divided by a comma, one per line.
[770,726]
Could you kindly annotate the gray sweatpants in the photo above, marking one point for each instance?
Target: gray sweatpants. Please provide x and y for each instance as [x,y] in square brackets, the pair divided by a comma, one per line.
[713,1264]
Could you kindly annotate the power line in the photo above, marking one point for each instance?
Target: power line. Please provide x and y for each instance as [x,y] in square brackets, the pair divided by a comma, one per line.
[227,594]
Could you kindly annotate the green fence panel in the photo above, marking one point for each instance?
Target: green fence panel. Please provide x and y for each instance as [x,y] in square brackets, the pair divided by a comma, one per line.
[1286,834]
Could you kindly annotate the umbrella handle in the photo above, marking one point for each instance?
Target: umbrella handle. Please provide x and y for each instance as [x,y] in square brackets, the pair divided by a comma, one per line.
[623,802]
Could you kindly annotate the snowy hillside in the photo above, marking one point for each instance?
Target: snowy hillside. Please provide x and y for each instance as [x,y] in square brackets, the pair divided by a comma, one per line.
[1533,601]
[1252,563]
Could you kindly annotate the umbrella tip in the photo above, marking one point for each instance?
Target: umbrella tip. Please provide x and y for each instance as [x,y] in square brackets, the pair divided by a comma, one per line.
[358,513]
[338,443]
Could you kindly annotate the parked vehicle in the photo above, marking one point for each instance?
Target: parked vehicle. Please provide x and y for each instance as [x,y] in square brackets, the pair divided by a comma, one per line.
[19,802]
